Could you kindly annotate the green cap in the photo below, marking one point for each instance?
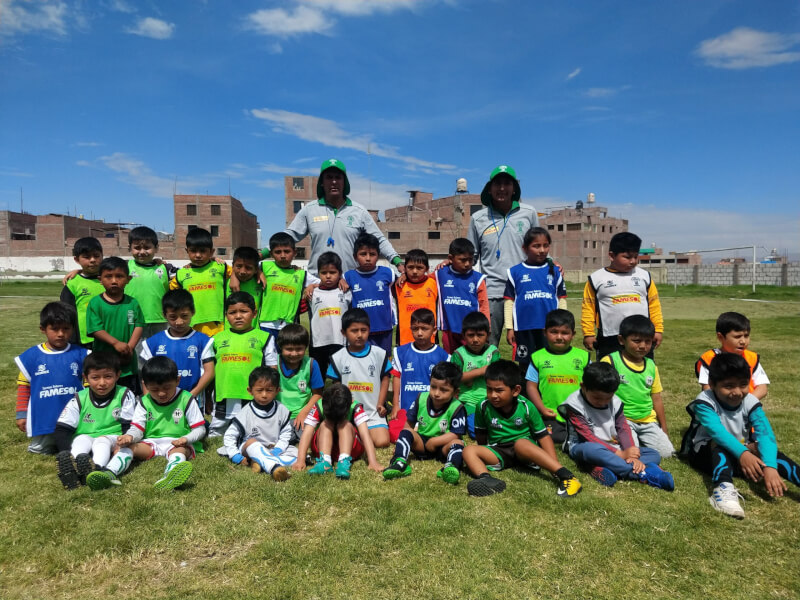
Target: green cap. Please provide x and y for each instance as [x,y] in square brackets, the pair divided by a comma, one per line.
[332,163]
[486,195]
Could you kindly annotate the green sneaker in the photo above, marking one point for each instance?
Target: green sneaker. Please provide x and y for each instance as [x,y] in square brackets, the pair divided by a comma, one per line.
[449,474]
[176,477]
[399,467]
[343,467]
[321,467]
[100,480]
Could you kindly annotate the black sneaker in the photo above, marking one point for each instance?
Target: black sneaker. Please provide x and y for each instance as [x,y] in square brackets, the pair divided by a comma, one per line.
[65,468]
[485,485]
[84,465]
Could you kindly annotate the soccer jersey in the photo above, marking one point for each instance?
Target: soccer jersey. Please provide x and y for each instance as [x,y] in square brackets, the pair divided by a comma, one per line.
[736,422]
[524,421]
[252,287]
[325,316]
[189,353]
[474,392]
[54,376]
[458,296]
[356,415]
[86,415]
[611,296]
[206,284]
[757,374]
[601,421]
[175,419]
[297,385]
[237,354]
[636,387]
[282,295]
[410,297]
[148,285]
[78,291]
[270,425]
[557,375]
[414,367]
[535,290]
[362,373]
[429,422]
[372,291]
[117,319]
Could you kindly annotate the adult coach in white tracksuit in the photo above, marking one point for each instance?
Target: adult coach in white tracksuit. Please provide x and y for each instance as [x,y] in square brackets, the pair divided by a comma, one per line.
[497,232]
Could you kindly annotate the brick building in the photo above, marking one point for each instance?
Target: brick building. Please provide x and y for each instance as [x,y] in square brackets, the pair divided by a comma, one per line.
[230,224]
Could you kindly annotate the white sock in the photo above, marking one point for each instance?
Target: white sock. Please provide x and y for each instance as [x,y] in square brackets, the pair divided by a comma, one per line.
[173,460]
[343,456]
[326,458]
[120,461]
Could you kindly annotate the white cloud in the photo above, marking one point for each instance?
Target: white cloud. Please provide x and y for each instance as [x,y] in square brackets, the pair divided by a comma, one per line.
[604,92]
[83,163]
[377,195]
[745,48]
[574,74]
[13,172]
[152,28]
[121,6]
[136,172]
[283,23]
[329,133]
[361,8]
[87,144]
[46,16]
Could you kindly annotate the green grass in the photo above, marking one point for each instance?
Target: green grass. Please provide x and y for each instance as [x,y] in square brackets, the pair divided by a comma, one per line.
[232,534]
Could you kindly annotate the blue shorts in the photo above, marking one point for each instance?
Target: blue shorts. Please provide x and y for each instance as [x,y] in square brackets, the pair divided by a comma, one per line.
[382,339]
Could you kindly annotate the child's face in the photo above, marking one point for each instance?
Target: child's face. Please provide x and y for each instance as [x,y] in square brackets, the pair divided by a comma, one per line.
[199,256]
[461,263]
[475,340]
[102,381]
[114,281]
[90,261]
[734,341]
[441,392]
[143,251]
[240,316]
[559,338]
[329,277]
[283,255]
[623,262]
[422,334]
[244,270]
[416,272]
[597,398]
[731,391]
[499,394]
[356,335]
[636,346]
[179,319]
[292,354]
[162,393]
[537,251]
[263,392]
[57,335]
[366,258]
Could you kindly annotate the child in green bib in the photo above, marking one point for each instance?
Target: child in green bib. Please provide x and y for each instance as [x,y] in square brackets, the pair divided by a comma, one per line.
[301,378]
[245,271]
[85,285]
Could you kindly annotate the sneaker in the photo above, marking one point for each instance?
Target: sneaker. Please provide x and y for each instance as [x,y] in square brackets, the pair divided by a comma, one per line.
[657,477]
[65,469]
[100,480]
[449,474]
[280,474]
[343,467]
[603,476]
[175,477]
[321,467]
[485,485]
[84,465]
[725,498]
[569,487]
[399,467]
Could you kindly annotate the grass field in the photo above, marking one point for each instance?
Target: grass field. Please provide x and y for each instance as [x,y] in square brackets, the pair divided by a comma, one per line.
[231,534]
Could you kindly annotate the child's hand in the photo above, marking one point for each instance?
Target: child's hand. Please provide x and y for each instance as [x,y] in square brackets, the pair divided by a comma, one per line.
[180,442]
[657,340]
[374,466]
[589,341]
[632,452]
[382,410]
[309,291]
[299,464]
[343,285]
[123,441]
[393,415]
[751,465]
[69,276]
[401,281]
[510,337]
[775,485]
[638,466]
[122,348]
[22,425]
[221,262]
[549,413]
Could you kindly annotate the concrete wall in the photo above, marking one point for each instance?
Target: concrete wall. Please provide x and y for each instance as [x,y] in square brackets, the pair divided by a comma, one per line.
[787,274]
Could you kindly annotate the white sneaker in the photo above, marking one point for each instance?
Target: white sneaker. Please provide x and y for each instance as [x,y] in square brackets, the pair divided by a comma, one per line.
[725,498]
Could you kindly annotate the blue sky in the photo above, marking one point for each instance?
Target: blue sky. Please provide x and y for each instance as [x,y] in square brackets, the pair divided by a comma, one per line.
[682,117]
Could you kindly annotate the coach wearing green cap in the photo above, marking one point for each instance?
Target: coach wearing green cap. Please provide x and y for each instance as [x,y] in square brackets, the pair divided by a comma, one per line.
[497,232]
[334,221]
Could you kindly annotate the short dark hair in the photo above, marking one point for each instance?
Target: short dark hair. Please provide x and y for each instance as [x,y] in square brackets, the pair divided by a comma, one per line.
[558,318]
[199,238]
[624,241]
[336,402]
[475,321]
[354,315]
[417,256]
[728,365]
[505,371]
[293,334]
[247,254]
[159,369]
[461,246]
[280,240]
[366,240]
[327,259]
[732,321]
[269,374]
[535,232]
[112,263]
[85,245]
[101,360]
[600,377]
[58,313]
[637,325]
[449,372]
[142,234]
[424,316]
[237,297]
[176,300]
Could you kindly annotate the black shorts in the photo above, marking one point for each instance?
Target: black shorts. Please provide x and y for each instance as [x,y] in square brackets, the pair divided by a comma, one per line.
[505,454]
[425,455]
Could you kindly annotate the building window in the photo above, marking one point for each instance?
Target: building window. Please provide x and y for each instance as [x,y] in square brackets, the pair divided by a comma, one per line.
[296,206]
[473,208]
[561,228]
[573,227]
[551,227]
[594,245]
[610,229]
[585,243]
[434,235]
[191,210]
[215,231]
[216,210]
[603,230]
[297,184]
[191,227]
[394,235]
[222,251]
[301,253]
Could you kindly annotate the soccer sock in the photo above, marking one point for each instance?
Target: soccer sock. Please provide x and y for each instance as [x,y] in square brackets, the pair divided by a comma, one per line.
[327,458]
[788,469]
[121,461]
[173,460]
[343,456]
[563,474]
[403,446]
[455,456]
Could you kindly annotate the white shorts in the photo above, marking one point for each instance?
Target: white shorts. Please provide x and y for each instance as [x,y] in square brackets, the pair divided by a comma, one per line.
[163,446]
[375,421]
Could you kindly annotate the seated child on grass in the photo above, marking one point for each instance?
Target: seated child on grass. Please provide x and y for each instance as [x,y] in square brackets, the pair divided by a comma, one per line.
[336,431]
[435,423]
[731,435]
[599,437]
[88,428]
[260,433]
[301,379]
[506,425]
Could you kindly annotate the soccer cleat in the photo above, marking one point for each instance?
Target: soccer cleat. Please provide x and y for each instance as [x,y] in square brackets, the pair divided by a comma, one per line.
[175,477]
[84,465]
[65,468]
[100,480]
[321,467]
[725,499]
[603,476]
[485,485]
[449,474]
[280,473]
[569,487]
[399,467]
[657,477]
[343,467]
